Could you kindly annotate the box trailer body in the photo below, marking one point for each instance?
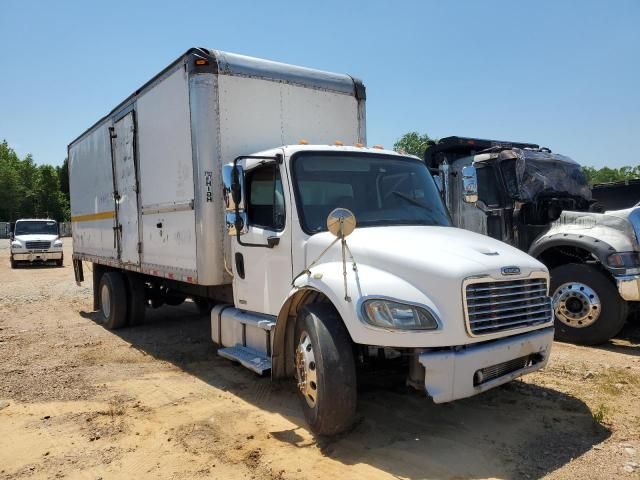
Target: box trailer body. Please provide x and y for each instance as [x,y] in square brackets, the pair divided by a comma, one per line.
[234,181]
[144,180]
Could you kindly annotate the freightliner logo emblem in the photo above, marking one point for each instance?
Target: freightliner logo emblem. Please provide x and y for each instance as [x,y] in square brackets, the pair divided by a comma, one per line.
[510,270]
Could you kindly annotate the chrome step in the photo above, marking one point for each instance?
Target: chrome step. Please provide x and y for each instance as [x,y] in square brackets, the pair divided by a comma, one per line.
[247,357]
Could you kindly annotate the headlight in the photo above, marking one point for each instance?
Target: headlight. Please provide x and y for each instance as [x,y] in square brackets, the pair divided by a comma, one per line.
[16,244]
[396,315]
[57,243]
[624,260]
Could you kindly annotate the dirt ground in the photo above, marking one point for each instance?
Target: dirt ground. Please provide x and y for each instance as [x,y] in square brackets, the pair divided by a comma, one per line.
[155,401]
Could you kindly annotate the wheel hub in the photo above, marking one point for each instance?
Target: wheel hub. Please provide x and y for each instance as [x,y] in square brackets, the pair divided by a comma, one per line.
[576,304]
[105,301]
[306,370]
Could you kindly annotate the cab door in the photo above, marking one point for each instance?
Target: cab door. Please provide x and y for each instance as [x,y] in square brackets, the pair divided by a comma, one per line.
[125,189]
[262,273]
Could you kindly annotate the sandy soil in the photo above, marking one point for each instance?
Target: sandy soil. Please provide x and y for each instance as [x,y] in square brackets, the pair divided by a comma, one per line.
[155,401]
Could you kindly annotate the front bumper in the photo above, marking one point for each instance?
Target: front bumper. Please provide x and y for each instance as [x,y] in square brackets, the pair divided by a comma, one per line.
[449,375]
[36,256]
[629,287]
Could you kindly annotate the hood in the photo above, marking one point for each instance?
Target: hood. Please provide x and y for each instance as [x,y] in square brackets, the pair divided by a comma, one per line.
[36,237]
[618,228]
[412,252]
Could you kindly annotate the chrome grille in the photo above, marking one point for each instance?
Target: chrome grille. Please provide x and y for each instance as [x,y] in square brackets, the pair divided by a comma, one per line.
[496,306]
[38,245]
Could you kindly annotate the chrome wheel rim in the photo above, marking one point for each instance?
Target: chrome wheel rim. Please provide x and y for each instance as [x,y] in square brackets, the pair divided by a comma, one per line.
[576,305]
[306,370]
[105,301]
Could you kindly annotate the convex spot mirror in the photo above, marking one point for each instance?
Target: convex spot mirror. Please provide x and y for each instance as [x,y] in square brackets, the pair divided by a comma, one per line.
[469,184]
[341,222]
[234,201]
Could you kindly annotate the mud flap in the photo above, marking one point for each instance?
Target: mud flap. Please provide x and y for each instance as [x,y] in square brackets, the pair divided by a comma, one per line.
[77,270]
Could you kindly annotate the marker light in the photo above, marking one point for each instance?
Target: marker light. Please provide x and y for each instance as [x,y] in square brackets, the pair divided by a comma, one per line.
[303,142]
[201,61]
[339,143]
[359,145]
[379,147]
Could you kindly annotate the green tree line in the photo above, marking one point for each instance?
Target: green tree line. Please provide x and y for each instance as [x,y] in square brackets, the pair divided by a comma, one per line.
[30,190]
[415,143]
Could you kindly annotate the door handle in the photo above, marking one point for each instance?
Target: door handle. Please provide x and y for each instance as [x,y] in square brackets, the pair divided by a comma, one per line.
[240,265]
[273,241]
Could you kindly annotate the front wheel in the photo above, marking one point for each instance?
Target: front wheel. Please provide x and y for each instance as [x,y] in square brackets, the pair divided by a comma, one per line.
[13,263]
[325,369]
[588,309]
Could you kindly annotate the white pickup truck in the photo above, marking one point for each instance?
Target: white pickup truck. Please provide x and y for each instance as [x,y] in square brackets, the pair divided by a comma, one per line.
[36,240]
[319,260]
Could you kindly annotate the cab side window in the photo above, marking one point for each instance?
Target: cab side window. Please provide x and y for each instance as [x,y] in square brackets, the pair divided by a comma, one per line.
[265,207]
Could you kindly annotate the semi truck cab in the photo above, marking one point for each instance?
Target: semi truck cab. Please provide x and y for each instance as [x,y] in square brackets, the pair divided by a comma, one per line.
[36,240]
[541,203]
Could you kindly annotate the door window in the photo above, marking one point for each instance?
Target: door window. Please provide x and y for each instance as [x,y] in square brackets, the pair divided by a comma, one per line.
[265,198]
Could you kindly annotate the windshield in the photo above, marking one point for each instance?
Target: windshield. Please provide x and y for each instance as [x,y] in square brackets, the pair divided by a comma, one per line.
[28,227]
[380,190]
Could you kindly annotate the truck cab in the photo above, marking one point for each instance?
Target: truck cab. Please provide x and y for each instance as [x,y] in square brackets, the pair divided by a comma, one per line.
[541,203]
[35,240]
[319,302]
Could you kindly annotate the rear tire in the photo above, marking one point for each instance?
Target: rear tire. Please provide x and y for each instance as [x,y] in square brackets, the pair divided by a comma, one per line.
[136,300]
[113,300]
[325,369]
[588,309]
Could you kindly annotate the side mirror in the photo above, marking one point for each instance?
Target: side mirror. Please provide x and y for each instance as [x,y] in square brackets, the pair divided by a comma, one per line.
[469,184]
[233,196]
[233,187]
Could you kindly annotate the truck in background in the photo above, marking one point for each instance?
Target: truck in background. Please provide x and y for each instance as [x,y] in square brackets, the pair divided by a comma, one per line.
[541,203]
[617,195]
[199,185]
[35,240]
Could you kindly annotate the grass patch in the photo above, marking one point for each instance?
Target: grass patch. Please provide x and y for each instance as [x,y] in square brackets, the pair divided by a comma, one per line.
[600,413]
[617,380]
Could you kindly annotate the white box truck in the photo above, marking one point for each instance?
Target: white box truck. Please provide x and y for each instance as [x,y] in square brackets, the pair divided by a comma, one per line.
[199,185]
[35,240]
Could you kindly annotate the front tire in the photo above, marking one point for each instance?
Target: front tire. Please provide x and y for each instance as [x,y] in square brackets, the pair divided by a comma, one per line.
[14,264]
[113,300]
[588,309]
[325,369]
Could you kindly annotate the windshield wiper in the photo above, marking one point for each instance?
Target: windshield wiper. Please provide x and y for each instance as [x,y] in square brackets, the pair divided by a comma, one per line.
[413,200]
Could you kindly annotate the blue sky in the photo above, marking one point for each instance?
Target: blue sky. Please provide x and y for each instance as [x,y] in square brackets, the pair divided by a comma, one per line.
[565,74]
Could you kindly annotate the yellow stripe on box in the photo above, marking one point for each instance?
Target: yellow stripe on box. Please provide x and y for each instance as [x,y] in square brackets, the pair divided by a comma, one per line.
[93,216]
